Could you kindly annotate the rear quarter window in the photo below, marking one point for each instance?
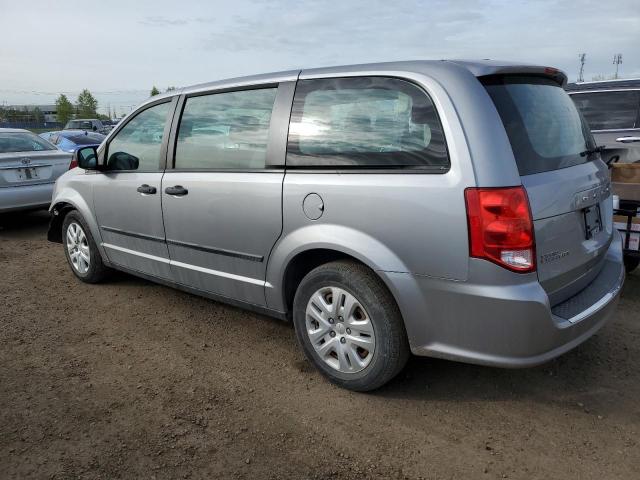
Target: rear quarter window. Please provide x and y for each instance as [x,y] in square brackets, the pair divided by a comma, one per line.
[609,110]
[23,142]
[370,122]
[545,129]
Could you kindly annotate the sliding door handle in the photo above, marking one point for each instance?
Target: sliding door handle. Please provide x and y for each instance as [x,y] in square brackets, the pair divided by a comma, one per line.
[146,189]
[176,191]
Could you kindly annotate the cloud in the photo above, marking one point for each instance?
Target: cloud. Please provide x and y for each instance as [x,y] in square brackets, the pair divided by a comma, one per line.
[159,21]
[551,32]
[164,42]
[329,30]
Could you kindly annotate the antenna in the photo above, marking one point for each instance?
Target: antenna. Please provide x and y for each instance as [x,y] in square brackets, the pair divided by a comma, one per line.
[617,60]
[582,57]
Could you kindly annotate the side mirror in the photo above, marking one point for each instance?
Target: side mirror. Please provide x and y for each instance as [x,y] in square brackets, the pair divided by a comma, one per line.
[87,158]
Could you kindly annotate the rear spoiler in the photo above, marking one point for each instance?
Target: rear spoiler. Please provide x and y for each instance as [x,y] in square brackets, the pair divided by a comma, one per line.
[495,68]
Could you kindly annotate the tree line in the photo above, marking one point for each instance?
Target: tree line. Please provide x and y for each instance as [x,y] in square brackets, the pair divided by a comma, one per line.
[86,106]
[155,91]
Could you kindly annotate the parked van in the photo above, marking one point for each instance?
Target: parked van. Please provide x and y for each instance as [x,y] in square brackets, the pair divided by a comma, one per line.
[449,209]
[612,110]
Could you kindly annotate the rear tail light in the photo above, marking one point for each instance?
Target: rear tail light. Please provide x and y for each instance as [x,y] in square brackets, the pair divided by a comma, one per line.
[73,164]
[501,227]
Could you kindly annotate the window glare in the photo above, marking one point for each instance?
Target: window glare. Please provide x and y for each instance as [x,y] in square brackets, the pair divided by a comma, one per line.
[364,121]
[138,144]
[225,130]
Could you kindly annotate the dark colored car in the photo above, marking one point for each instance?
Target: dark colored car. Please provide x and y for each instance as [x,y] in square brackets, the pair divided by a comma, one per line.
[72,140]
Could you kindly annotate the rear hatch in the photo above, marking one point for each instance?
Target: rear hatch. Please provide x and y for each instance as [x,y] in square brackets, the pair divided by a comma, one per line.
[566,181]
[26,159]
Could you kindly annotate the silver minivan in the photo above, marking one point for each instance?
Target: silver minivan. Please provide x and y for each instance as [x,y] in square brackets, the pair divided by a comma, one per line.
[450,209]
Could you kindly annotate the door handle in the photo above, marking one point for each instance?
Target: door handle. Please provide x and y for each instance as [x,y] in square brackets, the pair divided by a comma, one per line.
[628,139]
[146,189]
[176,191]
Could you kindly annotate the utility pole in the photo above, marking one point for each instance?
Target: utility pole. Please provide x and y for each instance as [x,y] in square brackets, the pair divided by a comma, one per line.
[617,60]
[582,57]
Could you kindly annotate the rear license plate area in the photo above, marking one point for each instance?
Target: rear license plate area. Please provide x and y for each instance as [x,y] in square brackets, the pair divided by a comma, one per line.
[592,221]
[27,173]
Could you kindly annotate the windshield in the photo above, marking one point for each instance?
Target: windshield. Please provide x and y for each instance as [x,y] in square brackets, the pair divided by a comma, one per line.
[545,129]
[23,142]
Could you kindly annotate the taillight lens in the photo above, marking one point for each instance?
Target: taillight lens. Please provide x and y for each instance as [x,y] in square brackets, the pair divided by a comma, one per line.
[501,227]
[73,164]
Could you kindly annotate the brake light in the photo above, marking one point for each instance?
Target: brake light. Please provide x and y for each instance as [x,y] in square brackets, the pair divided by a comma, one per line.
[501,227]
[73,164]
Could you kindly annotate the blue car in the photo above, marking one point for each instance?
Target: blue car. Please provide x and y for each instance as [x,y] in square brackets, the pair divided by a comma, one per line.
[72,140]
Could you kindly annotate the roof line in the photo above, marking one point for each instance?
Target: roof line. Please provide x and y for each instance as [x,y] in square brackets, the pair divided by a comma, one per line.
[611,80]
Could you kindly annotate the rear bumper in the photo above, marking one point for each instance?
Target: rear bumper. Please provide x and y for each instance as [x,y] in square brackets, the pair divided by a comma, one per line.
[508,323]
[25,197]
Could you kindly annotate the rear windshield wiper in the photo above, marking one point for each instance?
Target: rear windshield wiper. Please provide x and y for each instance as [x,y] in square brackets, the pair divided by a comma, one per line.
[591,151]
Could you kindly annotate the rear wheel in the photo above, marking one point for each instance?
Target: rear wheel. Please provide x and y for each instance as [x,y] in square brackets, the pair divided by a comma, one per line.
[631,263]
[81,250]
[349,326]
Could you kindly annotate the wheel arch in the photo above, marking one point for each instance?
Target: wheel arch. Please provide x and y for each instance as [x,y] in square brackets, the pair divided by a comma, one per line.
[68,200]
[298,253]
[58,213]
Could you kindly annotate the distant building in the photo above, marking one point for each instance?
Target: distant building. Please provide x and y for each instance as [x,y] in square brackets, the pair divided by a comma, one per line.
[49,113]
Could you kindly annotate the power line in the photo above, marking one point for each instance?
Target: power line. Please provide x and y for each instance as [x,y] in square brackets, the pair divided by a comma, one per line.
[72,92]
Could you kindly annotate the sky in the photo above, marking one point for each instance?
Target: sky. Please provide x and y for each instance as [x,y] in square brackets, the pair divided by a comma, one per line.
[120,49]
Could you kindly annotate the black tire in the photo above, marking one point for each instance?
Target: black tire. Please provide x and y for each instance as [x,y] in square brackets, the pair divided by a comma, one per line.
[96,271]
[391,346]
[631,263]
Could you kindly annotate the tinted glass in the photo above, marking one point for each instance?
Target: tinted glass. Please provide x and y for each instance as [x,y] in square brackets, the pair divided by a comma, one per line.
[23,142]
[80,124]
[609,110]
[88,139]
[138,145]
[372,122]
[545,129]
[225,130]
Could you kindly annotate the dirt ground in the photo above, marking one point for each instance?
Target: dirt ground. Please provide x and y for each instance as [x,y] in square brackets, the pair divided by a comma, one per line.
[129,379]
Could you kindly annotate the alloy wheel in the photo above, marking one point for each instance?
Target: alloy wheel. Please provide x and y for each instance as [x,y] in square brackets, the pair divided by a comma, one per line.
[78,248]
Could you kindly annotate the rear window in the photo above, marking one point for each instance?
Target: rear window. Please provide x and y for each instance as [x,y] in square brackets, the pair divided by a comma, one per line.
[609,110]
[23,142]
[88,139]
[368,122]
[80,124]
[545,129]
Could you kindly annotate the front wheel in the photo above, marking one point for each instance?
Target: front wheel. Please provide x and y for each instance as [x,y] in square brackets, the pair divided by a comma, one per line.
[81,250]
[349,326]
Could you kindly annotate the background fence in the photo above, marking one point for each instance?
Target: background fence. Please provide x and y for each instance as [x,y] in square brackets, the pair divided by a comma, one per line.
[32,125]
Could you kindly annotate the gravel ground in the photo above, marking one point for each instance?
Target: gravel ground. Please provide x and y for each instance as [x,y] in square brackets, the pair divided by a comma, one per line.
[129,379]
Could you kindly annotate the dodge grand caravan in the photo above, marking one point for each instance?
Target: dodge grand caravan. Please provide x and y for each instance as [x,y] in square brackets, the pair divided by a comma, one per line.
[450,209]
